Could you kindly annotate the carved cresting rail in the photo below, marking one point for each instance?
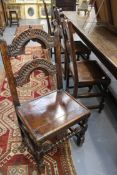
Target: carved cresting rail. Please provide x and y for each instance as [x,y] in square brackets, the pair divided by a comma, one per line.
[23,74]
[37,35]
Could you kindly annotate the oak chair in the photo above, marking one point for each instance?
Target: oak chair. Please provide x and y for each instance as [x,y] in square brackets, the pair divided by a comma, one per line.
[84,73]
[13,17]
[81,49]
[49,116]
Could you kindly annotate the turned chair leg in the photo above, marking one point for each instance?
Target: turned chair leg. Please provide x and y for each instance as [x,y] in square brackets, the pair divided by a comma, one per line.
[39,155]
[35,149]
[103,99]
[81,136]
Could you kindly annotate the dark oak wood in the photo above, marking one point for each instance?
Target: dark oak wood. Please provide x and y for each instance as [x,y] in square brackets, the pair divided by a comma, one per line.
[37,35]
[51,115]
[99,39]
[47,124]
[84,73]
[13,17]
[66,4]
[22,28]
[81,49]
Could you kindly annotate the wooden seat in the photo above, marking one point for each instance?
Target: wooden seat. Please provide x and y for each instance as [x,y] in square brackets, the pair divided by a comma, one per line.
[13,17]
[89,72]
[84,73]
[49,116]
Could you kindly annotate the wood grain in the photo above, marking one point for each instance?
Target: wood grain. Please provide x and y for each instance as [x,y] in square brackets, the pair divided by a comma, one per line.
[100,40]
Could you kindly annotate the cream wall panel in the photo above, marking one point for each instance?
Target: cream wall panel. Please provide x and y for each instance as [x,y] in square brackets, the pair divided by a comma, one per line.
[31,12]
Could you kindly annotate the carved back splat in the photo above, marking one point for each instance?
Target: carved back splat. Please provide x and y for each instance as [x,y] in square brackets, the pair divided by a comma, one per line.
[21,40]
[23,75]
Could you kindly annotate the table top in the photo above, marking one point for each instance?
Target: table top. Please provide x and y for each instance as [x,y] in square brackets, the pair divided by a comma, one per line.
[22,28]
[102,41]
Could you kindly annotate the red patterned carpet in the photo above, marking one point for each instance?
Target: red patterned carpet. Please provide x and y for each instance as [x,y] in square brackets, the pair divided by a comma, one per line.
[14,156]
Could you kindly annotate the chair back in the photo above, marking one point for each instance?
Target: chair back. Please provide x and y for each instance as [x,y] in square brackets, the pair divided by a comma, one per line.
[22,76]
[69,45]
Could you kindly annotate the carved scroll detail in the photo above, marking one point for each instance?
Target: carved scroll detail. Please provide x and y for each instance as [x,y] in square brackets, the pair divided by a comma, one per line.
[23,74]
[31,34]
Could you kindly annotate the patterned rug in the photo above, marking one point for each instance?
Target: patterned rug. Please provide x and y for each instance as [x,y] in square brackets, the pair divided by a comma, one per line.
[14,156]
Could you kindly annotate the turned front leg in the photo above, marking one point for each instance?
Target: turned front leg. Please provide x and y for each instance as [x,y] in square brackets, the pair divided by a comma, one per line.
[81,135]
[39,155]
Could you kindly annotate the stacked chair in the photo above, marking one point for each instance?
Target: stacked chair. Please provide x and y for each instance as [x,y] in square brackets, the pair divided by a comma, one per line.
[13,17]
[54,115]
[80,48]
[85,73]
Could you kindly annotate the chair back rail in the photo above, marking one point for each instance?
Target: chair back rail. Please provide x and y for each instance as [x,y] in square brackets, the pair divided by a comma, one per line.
[69,47]
[9,73]
[37,35]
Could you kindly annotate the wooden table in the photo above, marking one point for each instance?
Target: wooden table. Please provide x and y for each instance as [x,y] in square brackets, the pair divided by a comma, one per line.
[22,28]
[101,41]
